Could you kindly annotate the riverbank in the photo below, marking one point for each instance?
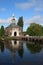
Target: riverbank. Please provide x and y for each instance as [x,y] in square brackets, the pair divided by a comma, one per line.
[25,38]
[14,38]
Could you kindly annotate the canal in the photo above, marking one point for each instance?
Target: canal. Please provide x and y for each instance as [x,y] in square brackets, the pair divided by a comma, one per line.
[15,52]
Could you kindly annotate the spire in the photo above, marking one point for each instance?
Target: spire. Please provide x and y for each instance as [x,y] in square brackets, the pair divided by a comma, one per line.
[13,18]
[13,15]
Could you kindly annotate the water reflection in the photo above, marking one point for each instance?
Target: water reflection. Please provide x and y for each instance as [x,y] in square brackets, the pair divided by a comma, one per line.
[15,46]
[20,50]
[21,53]
[34,47]
[1,46]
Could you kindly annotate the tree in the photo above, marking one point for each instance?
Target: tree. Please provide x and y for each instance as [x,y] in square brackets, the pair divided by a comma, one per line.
[42,30]
[34,30]
[2,31]
[20,21]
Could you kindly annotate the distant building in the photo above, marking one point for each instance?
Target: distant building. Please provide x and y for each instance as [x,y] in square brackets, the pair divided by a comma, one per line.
[13,29]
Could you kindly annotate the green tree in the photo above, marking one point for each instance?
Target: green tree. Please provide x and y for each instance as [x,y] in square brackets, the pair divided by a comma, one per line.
[42,30]
[34,30]
[2,31]
[20,21]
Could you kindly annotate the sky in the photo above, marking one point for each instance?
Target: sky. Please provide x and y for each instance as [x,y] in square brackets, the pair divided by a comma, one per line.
[31,10]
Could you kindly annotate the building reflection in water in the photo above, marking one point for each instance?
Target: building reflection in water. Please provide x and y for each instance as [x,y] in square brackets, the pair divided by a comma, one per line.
[14,46]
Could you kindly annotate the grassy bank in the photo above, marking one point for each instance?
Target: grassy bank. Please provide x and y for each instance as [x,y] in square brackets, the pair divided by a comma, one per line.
[7,38]
[10,38]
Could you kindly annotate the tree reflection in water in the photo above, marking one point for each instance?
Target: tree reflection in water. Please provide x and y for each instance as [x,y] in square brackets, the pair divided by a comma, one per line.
[20,49]
[1,46]
[34,47]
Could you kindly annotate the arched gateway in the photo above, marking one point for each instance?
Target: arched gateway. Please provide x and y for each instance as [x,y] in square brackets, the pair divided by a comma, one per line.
[15,33]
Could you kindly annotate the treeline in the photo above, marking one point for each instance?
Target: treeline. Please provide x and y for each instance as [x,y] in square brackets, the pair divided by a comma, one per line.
[2,31]
[35,30]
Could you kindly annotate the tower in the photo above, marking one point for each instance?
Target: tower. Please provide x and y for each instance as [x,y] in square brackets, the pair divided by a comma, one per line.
[13,18]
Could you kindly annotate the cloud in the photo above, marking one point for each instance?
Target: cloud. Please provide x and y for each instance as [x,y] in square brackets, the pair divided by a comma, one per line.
[7,21]
[24,5]
[3,9]
[35,19]
[38,9]
[2,21]
[37,5]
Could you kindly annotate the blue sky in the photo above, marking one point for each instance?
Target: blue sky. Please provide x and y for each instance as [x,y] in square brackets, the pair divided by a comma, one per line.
[31,10]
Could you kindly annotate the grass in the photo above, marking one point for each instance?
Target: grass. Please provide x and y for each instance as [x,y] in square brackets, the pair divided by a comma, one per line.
[9,38]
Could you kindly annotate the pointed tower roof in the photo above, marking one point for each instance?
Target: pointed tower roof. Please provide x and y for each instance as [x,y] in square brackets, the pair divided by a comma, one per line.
[13,14]
[13,18]
[13,23]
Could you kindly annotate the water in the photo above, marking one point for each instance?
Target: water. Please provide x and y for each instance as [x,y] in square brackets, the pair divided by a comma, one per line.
[21,53]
